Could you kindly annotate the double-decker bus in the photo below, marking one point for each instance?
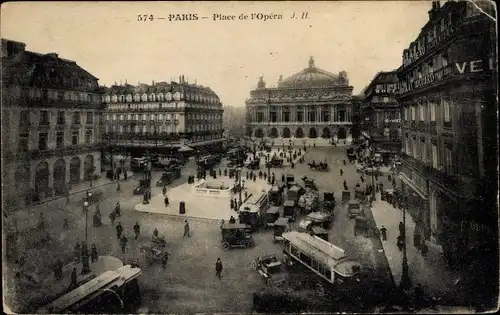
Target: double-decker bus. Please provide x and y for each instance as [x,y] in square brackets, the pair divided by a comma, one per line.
[114,291]
[327,261]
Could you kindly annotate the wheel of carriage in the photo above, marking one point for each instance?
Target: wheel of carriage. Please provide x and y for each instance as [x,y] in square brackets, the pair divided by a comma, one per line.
[254,265]
[225,246]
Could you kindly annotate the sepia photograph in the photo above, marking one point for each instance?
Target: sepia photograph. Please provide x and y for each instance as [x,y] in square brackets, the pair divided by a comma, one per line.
[240,157]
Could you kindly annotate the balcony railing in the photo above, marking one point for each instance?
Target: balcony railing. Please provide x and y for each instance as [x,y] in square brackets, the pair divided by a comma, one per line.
[446,181]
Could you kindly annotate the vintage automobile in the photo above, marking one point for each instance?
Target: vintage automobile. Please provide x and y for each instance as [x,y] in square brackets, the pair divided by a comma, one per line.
[319,232]
[236,235]
[321,166]
[252,215]
[269,268]
[153,253]
[329,201]
[254,164]
[272,214]
[276,195]
[354,209]
[294,193]
[309,183]
[289,210]
[280,226]
[169,176]
[359,193]
[275,162]
[346,196]
[320,219]
[289,179]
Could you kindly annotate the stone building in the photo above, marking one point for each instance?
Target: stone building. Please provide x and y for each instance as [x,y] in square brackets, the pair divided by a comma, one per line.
[310,104]
[51,115]
[381,113]
[161,117]
[448,96]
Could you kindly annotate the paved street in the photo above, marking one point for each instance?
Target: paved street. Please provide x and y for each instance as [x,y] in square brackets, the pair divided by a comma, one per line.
[189,284]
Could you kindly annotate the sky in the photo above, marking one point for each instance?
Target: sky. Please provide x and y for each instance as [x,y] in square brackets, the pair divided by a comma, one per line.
[229,56]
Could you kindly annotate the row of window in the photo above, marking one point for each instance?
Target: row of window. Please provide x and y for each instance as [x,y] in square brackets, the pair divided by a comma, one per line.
[45,118]
[382,99]
[161,117]
[417,49]
[57,95]
[169,96]
[159,128]
[43,140]
[311,117]
[157,106]
[418,148]
[427,112]
[322,269]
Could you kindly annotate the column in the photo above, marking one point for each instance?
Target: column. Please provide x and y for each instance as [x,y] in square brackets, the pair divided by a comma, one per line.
[334,113]
[306,113]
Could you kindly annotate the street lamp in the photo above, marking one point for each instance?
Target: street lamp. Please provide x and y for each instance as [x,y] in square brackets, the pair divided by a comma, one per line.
[405,277]
[85,254]
[239,178]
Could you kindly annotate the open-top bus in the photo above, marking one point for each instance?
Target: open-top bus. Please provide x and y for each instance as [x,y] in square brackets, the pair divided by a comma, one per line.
[109,293]
[327,261]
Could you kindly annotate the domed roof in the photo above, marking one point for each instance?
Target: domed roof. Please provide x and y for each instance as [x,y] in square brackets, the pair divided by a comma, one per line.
[314,77]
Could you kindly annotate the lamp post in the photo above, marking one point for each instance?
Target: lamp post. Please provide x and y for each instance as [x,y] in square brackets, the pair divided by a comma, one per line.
[405,278]
[85,254]
[239,178]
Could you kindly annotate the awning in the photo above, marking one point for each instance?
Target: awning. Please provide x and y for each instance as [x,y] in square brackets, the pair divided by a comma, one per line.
[185,148]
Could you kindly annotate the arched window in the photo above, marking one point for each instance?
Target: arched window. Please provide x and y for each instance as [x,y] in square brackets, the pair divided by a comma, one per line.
[122,98]
[168,96]
[114,98]
[137,98]
[152,97]
[159,97]
[144,97]
[129,98]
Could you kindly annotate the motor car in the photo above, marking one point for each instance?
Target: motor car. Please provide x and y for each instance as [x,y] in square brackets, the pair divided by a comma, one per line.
[236,235]
[270,269]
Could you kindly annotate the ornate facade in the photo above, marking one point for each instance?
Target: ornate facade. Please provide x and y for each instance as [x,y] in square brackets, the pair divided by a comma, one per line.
[51,115]
[448,97]
[381,113]
[310,104]
[162,116]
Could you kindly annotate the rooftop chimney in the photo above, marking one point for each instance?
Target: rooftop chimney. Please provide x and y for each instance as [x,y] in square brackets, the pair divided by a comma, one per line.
[435,8]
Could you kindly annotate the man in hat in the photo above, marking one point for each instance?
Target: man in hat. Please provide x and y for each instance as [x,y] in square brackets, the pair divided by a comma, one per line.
[218,268]
[186,228]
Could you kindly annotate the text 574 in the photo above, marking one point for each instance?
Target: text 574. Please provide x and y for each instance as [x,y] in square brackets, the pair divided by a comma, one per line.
[145,17]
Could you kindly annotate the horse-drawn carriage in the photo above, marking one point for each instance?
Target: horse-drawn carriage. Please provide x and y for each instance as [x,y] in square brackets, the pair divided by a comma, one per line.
[322,166]
[275,162]
[154,251]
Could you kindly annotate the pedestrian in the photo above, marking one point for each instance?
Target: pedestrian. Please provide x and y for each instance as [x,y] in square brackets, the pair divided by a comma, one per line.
[164,260]
[231,202]
[77,251]
[218,268]
[137,230]
[72,284]
[118,188]
[112,217]
[186,228]
[362,178]
[424,249]
[41,222]
[246,194]
[283,177]
[166,201]
[125,175]
[164,190]
[383,230]
[145,200]
[401,228]
[65,223]
[149,195]
[93,253]
[119,230]
[400,242]
[123,243]
[344,162]
[117,209]
[341,172]
[232,220]
[419,294]
[345,185]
